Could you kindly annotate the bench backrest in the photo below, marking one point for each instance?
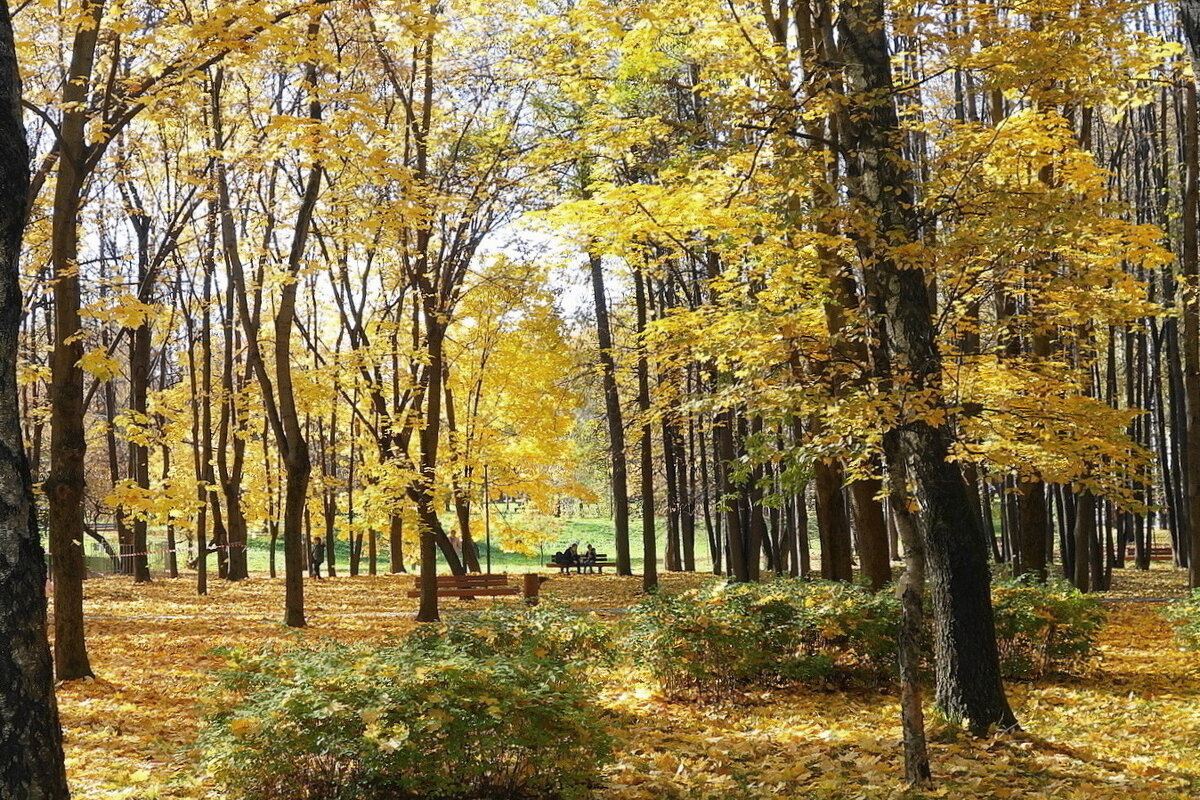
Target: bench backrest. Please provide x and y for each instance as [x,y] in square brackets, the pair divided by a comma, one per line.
[467,581]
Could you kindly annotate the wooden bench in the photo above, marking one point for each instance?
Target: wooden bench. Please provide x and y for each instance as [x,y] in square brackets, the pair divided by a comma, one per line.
[600,563]
[1159,552]
[481,585]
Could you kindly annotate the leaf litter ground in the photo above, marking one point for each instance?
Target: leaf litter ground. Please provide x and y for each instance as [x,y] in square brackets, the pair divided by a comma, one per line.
[1129,729]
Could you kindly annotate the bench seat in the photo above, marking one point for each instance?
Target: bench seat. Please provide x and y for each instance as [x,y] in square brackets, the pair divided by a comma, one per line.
[475,585]
[499,579]
[1156,553]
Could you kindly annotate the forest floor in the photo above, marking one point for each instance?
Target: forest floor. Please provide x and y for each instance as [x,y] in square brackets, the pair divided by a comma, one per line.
[1130,728]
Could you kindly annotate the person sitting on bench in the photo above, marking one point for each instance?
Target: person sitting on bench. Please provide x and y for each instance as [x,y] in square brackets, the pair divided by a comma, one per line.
[589,558]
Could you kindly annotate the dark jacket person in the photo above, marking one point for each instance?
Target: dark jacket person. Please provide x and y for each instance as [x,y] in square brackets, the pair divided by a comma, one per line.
[316,556]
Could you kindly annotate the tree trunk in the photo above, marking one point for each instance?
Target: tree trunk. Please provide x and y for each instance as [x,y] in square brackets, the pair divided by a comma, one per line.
[1085,530]
[372,552]
[124,538]
[206,472]
[279,396]
[31,751]
[1032,528]
[687,498]
[735,545]
[64,485]
[460,494]
[871,526]
[711,526]
[672,557]
[236,535]
[616,426]
[429,527]
[649,556]
[396,544]
[139,377]
[969,689]
[916,755]
[139,453]
[805,554]
[833,525]
[1190,262]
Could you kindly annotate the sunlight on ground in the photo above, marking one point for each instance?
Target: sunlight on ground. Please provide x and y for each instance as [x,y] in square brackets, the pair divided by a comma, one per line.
[1129,730]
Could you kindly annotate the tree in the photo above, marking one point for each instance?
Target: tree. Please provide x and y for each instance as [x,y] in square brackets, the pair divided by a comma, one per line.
[907,360]
[612,416]
[1191,309]
[64,485]
[94,114]
[649,556]
[279,395]
[31,751]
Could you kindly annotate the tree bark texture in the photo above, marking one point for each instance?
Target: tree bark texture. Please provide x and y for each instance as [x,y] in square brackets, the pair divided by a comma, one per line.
[31,751]
[64,485]
[1190,261]
[616,426]
[969,689]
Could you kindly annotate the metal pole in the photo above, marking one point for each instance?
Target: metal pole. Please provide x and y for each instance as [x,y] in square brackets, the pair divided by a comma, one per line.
[487,518]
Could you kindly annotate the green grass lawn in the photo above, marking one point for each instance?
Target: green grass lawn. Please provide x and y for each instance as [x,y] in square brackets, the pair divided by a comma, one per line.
[597,531]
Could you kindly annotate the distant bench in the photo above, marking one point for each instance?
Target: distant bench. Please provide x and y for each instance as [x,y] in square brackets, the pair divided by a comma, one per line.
[1160,552]
[600,563]
[481,586]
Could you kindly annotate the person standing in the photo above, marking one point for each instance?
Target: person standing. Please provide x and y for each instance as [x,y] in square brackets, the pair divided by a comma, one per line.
[316,557]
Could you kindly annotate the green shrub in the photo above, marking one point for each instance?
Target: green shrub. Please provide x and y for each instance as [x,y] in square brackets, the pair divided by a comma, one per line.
[698,645]
[547,631]
[1185,615]
[855,627]
[1042,628]
[434,717]
[707,641]
[710,640]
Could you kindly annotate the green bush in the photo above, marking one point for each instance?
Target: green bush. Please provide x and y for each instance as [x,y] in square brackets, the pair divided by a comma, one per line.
[547,631]
[438,716]
[1185,615]
[856,627]
[707,641]
[1042,628]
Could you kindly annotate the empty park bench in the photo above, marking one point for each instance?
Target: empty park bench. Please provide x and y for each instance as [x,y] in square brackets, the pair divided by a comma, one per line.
[481,585]
[600,563]
[1159,552]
